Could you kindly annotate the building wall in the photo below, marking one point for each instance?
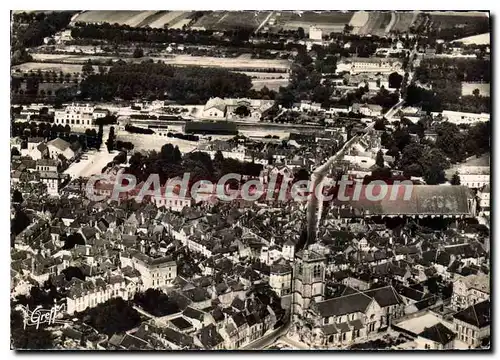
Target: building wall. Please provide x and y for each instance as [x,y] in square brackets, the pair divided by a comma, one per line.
[281,283]
[469,334]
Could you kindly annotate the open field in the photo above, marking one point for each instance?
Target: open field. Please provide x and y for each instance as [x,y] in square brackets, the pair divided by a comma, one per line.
[65,68]
[154,142]
[481,39]
[243,62]
[328,21]
[451,20]
[153,19]
[228,20]
[167,19]
[376,24]
[95,162]
[131,18]
[403,20]
[271,84]
[359,19]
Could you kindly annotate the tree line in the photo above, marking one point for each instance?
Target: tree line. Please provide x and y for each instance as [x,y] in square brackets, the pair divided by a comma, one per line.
[194,85]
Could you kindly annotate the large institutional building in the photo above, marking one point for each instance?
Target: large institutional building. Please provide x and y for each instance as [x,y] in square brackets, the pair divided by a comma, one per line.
[76,114]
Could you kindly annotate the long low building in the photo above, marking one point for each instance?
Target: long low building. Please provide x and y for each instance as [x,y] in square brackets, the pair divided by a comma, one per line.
[410,200]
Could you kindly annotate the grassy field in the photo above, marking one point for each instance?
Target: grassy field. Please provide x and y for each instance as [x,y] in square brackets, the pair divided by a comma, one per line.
[403,21]
[65,68]
[167,19]
[59,62]
[328,21]
[112,17]
[444,21]
[228,20]
[376,24]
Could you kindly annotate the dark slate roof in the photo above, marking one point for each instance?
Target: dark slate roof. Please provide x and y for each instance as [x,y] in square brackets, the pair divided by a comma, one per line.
[239,319]
[218,315]
[385,296]
[177,338]
[193,314]
[411,293]
[344,305]
[210,337]
[329,329]
[181,323]
[238,304]
[478,315]
[438,333]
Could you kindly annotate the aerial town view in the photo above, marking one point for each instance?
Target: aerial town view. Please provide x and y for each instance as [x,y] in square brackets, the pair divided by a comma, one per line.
[250,180]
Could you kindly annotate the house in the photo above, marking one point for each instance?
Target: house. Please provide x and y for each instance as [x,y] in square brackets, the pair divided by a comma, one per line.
[473,323]
[214,108]
[355,65]
[36,148]
[436,337]
[75,114]
[46,165]
[155,272]
[457,117]
[484,200]
[367,109]
[58,147]
[470,290]
[474,177]
[280,279]
[90,293]
[217,108]
[51,180]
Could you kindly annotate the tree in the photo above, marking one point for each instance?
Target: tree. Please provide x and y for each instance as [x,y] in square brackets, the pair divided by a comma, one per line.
[242,111]
[17,197]
[30,338]
[72,240]
[14,152]
[476,92]
[380,159]
[219,158]
[379,124]
[87,68]
[300,175]
[434,175]
[20,222]
[455,179]
[301,32]
[138,52]
[113,316]
[395,80]
[73,272]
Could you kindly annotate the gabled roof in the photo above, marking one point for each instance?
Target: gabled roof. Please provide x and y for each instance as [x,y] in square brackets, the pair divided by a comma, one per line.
[385,296]
[478,315]
[438,333]
[344,305]
[59,143]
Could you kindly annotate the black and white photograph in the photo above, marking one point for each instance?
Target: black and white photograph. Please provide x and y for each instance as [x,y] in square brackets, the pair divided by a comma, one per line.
[257,180]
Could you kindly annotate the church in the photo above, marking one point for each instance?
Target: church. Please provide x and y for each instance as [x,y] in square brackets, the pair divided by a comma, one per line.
[337,321]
